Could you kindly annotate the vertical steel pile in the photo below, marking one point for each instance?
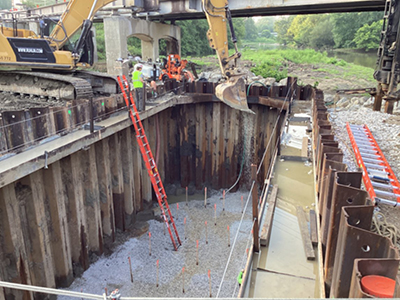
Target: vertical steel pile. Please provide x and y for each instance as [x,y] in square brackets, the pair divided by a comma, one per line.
[22,129]
[350,250]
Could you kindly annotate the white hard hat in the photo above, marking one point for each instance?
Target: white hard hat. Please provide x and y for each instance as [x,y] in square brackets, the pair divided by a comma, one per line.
[139,66]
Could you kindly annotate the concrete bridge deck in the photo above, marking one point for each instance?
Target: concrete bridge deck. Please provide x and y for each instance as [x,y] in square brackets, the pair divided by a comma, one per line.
[191,9]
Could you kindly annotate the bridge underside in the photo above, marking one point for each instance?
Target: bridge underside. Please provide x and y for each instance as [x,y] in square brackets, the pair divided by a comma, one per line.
[172,10]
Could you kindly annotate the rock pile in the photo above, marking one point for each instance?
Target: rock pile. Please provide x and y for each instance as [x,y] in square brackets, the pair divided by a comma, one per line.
[348,103]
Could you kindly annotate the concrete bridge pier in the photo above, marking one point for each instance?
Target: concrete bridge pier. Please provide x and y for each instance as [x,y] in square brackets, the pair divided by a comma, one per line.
[117,30]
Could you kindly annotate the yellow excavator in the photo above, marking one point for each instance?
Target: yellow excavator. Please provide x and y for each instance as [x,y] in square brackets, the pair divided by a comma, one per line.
[46,66]
[233,90]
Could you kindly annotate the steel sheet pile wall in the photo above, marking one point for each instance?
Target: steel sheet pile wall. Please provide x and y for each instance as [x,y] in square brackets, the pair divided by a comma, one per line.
[350,249]
[52,220]
[20,129]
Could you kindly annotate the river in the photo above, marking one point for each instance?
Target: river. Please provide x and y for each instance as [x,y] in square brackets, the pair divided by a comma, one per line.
[365,59]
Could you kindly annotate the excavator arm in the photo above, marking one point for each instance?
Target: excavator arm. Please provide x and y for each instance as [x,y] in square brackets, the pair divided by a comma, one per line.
[52,61]
[77,13]
[233,91]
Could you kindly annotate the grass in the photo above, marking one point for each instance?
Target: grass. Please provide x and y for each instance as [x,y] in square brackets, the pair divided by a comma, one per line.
[360,72]
[272,63]
[307,56]
[202,62]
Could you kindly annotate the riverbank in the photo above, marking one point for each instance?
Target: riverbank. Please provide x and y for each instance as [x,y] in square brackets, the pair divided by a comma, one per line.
[309,66]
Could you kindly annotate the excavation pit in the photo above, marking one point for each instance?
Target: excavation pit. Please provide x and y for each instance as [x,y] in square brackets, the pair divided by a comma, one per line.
[84,188]
[113,272]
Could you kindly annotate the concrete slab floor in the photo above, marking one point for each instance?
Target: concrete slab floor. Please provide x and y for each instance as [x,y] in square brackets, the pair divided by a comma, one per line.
[113,272]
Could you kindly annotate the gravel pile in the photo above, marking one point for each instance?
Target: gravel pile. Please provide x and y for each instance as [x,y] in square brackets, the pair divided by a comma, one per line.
[386,131]
[113,271]
[384,127]
[355,103]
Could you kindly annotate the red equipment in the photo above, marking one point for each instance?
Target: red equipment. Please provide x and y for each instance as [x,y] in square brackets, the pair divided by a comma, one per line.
[174,68]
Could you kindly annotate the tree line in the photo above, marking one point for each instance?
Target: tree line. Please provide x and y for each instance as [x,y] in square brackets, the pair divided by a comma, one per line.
[343,30]
[324,31]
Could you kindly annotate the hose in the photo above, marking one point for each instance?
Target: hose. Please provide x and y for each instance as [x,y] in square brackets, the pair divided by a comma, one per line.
[248,89]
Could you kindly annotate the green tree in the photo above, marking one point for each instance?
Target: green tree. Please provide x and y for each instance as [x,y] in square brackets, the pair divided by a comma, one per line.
[281,27]
[368,36]
[100,41]
[134,46]
[240,31]
[194,38]
[345,26]
[301,29]
[321,34]
[251,29]
[265,23]
[265,33]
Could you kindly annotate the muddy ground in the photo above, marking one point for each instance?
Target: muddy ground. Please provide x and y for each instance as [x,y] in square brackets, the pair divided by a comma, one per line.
[10,102]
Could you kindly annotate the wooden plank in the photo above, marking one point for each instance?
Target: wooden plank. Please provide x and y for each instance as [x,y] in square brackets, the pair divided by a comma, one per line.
[308,248]
[276,103]
[104,180]
[304,147]
[200,145]
[266,229]
[313,228]
[294,158]
[254,194]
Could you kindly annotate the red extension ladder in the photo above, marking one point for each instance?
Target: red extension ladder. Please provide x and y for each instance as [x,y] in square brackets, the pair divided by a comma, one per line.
[379,180]
[149,161]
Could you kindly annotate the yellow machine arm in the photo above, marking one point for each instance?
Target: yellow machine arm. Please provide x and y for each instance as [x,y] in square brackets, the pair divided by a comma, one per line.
[23,48]
[73,17]
[233,91]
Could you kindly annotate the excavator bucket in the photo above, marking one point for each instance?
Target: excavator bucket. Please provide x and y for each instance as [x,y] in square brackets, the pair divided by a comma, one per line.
[233,93]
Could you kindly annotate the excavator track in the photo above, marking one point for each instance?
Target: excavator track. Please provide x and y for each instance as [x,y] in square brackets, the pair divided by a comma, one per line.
[101,83]
[69,86]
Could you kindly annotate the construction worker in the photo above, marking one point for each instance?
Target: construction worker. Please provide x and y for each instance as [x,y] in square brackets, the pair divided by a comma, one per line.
[138,85]
[153,85]
[240,277]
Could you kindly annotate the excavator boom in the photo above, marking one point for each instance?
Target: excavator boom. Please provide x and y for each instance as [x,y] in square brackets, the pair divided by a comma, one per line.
[24,49]
[73,17]
[233,91]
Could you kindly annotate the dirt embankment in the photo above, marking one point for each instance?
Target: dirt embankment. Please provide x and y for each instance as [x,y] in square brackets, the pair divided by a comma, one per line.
[10,102]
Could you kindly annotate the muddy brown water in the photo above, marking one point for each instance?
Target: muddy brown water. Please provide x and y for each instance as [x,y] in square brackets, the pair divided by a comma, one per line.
[287,273]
